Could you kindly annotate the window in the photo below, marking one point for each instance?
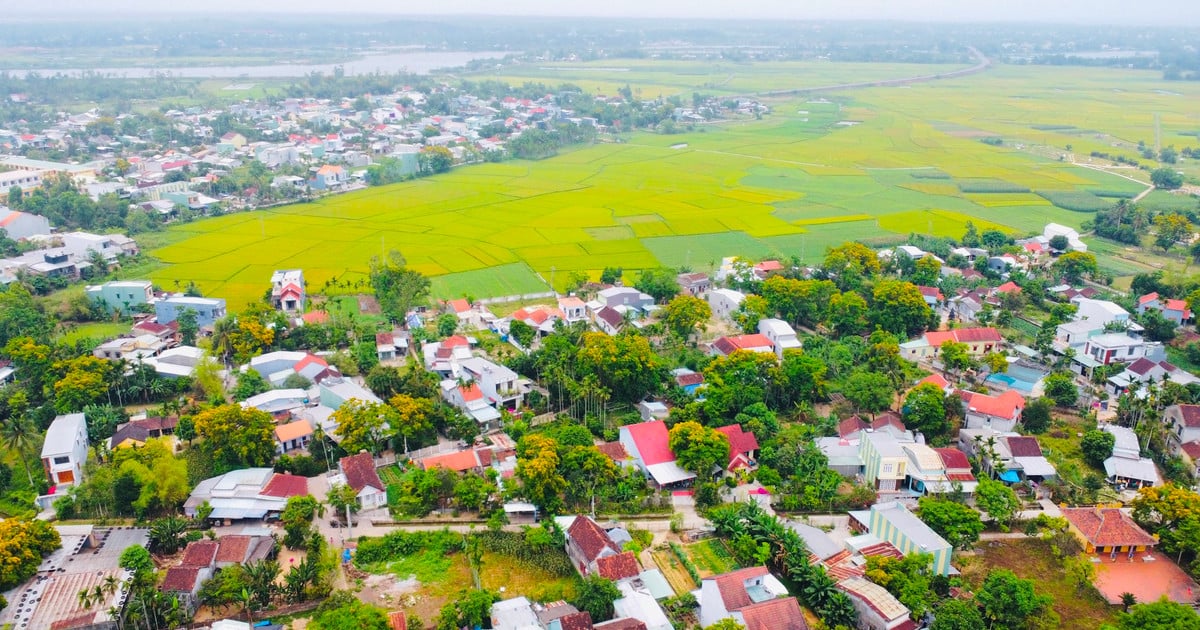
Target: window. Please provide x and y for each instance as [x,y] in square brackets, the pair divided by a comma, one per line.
[62,460]
[887,468]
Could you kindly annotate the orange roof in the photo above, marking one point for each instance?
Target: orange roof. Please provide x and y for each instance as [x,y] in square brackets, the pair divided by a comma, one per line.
[309,360]
[1006,405]
[329,169]
[1008,287]
[315,317]
[935,379]
[471,392]
[458,462]
[1108,527]
[937,338]
[570,302]
[12,216]
[455,340]
[460,305]
[293,430]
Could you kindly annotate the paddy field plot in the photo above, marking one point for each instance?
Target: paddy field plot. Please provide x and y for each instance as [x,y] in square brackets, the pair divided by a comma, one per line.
[790,184]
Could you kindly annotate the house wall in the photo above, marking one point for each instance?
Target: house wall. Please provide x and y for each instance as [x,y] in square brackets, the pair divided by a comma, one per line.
[123,298]
[976,420]
[885,473]
[884,530]
[207,313]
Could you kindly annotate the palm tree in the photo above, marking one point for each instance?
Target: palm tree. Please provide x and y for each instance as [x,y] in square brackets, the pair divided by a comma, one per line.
[85,598]
[111,584]
[19,435]
[1127,599]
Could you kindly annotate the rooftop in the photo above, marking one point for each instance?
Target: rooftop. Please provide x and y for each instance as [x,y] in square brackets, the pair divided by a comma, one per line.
[1106,527]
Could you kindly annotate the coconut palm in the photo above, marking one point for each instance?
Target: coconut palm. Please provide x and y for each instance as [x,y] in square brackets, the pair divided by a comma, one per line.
[85,598]
[20,435]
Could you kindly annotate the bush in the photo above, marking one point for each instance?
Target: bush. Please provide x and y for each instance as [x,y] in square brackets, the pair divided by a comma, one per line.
[686,562]
[398,544]
[1075,200]
[514,545]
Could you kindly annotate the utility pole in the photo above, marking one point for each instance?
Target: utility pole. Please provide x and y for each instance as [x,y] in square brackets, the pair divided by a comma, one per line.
[1157,134]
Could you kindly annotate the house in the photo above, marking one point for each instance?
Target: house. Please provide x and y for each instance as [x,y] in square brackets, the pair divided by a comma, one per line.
[690,381]
[358,472]
[249,493]
[587,543]
[766,269]
[185,582]
[242,548]
[622,566]
[328,176]
[1126,468]
[292,436]
[781,335]
[842,454]
[65,450]
[288,290]
[1073,241]
[743,448]
[335,391]
[933,295]
[468,398]
[501,386]
[1183,428]
[979,341]
[926,474]
[573,309]
[725,303]
[443,356]
[728,595]
[235,139]
[609,320]
[514,614]
[390,346]
[1020,457]
[1001,412]
[178,362]
[121,296]
[695,284]
[958,468]
[21,225]
[725,346]
[1107,530]
[647,444]
[624,296]
[278,402]
[892,522]
[131,349]
[135,433]
[885,465]
[1172,310]
[1116,348]
[877,608]
[1140,373]
[467,460]
[639,604]
[652,410]
[887,421]
[208,310]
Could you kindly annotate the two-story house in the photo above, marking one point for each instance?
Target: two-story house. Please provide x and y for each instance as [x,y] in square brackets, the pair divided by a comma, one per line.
[1172,310]
[1183,429]
[724,303]
[501,386]
[782,335]
[65,450]
[885,464]
[288,290]
[208,310]
[124,296]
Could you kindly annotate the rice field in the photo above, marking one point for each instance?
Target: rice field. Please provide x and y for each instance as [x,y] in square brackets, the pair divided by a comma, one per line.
[790,184]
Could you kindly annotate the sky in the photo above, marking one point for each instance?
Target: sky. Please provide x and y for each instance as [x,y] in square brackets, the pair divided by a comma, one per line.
[1164,12]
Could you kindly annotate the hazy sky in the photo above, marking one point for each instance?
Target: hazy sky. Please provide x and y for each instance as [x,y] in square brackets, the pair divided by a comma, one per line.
[1169,12]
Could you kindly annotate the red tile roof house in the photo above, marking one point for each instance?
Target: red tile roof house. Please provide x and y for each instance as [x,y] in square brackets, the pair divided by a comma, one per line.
[1107,530]
[647,443]
[1001,412]
[195,568]
[619,567]
[1172,310]
[726,346]
[587,543]
[359,472]
[738,594]
[743,448]
[979,341]
[1183,428]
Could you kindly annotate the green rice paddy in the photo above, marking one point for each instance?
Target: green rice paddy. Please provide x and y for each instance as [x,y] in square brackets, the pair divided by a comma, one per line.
[793,183]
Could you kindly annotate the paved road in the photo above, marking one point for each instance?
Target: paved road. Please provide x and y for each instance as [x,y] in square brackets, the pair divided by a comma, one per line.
[982,63]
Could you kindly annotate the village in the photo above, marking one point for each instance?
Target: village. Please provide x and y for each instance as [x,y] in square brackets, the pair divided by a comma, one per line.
[759,447]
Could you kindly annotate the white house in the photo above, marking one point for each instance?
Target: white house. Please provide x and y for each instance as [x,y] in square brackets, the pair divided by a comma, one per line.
[358,471]
[65,450]
[1053,229]
[782,336]
[18,225]
[725,302]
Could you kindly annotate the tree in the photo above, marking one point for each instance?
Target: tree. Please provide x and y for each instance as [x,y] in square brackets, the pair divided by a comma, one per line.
[1097,446]
[538,470]
[955,356]
[84,382]
[955,614]
[728,623]
[1075,266]
[1166,178]
[957,523]
[236,436]
[522,333]
[625,365]
[1160,614]
[684,313]
[1059,243]
[994,239]
[297,519]
[135,558]
[899,308]
[1060,387]
[1036,415]
[23,544]
[1157,327]
[659,282]
[187,326]
[364,425]
[166,535]
[1127,599]
[447,323]
[868,391]
[998,500]
[847,313]
[927,271]
[802,377]
[250,383]
[414,417]
[22,316]
[924,410]
[1171,228]
[595,596]
[698,448]
[469,609]
[611,275]
[398,288]
[343,611]
[1009,601]
[996,362]
[435,159]
[20,435]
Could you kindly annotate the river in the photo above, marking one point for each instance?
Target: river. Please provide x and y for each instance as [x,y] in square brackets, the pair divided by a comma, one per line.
[414,61]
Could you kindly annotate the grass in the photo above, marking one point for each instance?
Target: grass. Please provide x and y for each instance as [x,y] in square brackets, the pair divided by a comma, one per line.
[673,570]
[793,183]
[94,331]
[1032,559]
[711,557]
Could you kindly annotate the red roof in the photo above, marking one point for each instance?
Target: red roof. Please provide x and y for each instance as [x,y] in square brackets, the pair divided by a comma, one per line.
[384,339]
[1178,305]
[360,471]
[1008,287]
[309,359]
[471,392]
[618,567]
[651,441]
[1007,405]
[1149,297]
[199,553]
[460,305]
[935,379]
[685,380]
[286,485]
[936,338]
[454,341]
[953,459]
[1190,415]
[232,548]
[774,614]
[740,442]
[624,623]
[590,539]
[1024,446]
[1192,449]
[615,450]
[580,620]
[1108,527]
[180,579]
[729,345]
[154,328]
[932,292]
[769,265]
[460,461]
[732,587]
[967,335]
